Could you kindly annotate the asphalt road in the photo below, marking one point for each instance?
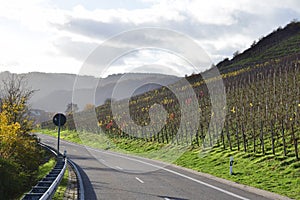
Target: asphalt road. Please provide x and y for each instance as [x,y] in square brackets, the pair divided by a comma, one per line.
[109,175]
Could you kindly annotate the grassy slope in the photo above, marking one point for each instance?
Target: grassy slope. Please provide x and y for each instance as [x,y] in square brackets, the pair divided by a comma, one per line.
[268,172]
[46,168]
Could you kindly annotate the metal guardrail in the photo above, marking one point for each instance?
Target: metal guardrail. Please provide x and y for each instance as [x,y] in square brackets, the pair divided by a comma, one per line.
[79,180]
[46,187]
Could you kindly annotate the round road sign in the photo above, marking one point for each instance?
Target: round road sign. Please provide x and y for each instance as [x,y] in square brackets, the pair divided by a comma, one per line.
[59,119]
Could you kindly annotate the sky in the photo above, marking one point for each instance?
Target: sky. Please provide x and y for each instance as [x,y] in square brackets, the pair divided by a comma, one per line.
[58,36]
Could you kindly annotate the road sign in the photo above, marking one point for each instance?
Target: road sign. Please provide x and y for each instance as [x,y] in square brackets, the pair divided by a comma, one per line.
[59,119]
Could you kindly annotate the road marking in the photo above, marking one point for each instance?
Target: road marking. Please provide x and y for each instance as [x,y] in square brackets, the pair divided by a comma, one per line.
[167,198]
[139,180]
[102,160]
[120,168]
[174,172]
[162,168]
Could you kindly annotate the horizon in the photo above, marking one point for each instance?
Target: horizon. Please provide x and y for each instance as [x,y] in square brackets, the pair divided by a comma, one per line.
[65,73]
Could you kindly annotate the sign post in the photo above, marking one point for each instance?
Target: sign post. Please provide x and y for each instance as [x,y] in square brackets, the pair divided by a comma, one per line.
[230,165]
[59,120]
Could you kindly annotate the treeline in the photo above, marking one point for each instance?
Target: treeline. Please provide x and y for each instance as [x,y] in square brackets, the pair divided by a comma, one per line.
[20,155]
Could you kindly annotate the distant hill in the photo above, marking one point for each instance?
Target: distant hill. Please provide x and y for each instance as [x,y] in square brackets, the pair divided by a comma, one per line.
[54,91]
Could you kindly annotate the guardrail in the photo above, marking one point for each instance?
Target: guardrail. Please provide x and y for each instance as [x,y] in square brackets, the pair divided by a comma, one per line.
[79,180]
[46,187]
[43,190]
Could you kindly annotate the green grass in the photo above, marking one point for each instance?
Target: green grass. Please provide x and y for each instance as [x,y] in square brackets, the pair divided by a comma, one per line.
[265,172]
[277,174]
[59,194]
[66,135]
[46,168]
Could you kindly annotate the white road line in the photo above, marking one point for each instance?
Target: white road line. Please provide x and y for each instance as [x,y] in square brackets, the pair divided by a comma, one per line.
[168,170]
[174,172]
[139,180]
[120,168]
[103,161]
[167,199]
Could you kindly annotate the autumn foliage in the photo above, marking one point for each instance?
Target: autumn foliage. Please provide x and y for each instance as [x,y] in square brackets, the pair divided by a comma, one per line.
[19,152]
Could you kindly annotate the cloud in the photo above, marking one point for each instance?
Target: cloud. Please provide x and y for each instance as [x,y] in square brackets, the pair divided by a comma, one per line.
[43,36]
[133,49]
[151,61]
[221,24]
[75,49]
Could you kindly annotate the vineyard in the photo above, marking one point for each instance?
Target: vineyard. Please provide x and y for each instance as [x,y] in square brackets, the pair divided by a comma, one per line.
[262,112]
[256,121]
[262,106]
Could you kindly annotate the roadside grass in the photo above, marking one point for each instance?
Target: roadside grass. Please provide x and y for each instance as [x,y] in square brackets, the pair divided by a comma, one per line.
[267,172]
[46,168]
[274,173]
[66,135]
[59,194]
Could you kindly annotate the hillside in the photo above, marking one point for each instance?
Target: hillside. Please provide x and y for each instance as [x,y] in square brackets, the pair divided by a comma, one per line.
[261,122]
[262,96]
[54,91]
[280,43]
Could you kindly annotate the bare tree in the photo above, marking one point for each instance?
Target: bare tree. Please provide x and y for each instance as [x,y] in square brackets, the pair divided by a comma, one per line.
[15,95]
[236,53]
[71,108]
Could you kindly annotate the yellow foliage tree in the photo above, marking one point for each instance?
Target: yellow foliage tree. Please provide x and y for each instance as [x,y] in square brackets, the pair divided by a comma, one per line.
[15,144]
[8,136]
[20,155]
[15,97]
[89,107]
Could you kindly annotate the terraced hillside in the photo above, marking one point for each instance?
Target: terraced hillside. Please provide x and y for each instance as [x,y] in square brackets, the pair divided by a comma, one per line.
[262,110]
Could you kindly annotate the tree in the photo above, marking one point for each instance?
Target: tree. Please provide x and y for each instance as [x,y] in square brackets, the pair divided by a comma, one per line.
[212,66]
[89,107]
[109,101]
[71,108]
[19,152]
[253,43]
[9,135]
[15,95]
[236,53]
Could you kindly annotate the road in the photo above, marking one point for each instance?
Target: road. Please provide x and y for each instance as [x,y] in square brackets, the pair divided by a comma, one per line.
[109,175]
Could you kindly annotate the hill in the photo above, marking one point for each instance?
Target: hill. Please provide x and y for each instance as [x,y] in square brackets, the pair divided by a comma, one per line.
[261,126]
[280,43]
[54,91]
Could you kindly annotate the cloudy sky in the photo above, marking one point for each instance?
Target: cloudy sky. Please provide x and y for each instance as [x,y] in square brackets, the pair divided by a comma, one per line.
[58,36]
